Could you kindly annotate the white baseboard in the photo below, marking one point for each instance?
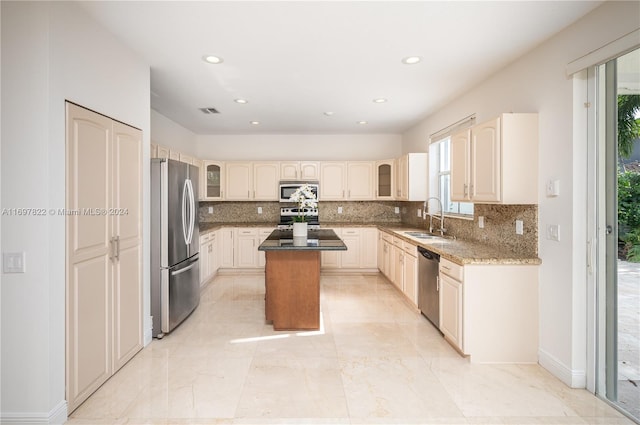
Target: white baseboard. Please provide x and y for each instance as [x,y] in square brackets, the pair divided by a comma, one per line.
[57,416]
[572,378]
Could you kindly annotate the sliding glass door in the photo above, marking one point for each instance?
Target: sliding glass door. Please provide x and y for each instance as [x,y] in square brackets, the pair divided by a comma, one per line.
[615,249]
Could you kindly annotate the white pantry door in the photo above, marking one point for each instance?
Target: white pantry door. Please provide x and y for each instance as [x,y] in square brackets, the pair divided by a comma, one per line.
[89,321]
[104,250]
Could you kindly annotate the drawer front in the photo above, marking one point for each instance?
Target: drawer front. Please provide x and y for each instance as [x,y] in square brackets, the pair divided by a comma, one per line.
[410,249]
[350,232]
[397,242]
[451,269]
[247,232]
[205,238]
[387,237]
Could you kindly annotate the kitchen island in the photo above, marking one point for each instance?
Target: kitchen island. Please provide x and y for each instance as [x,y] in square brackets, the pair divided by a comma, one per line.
[292,277]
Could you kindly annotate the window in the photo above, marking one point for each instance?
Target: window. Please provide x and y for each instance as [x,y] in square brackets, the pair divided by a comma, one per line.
[440,176]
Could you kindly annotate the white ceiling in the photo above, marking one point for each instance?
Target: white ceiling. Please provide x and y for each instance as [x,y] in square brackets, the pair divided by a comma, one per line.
[295,60]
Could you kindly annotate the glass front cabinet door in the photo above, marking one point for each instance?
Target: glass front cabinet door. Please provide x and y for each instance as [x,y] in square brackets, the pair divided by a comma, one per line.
[213,175]
[384,179]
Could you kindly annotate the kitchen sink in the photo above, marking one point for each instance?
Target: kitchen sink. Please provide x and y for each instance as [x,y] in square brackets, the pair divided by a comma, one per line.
[422,235]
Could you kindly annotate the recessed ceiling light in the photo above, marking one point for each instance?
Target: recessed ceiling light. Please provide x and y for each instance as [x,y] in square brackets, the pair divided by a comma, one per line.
[362,122]
[243,101]
[379,100]
[411,60]
[255,122]
[212,59]
[328,113]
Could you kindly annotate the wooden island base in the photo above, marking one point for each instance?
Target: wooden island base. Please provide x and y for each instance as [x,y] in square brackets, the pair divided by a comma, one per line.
[292,280]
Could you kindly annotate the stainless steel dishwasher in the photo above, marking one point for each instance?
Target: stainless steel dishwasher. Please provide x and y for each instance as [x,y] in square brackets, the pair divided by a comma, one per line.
[429,285]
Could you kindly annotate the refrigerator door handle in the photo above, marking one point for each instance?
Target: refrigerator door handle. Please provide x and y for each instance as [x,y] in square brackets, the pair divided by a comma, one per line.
[177,272]
[192,208]
[184,212]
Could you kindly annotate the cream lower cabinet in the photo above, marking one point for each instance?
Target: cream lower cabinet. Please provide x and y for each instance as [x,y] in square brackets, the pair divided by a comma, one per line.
[410,272]
[208,256]
[226,241]
[103,250]
[246,248]
[398,261]
[451,296]
[490,311]
[361,253]
[240,246]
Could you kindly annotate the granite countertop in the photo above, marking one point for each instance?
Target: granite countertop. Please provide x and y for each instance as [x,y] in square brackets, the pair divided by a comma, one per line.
[316,240]
[459,251]
[463,252]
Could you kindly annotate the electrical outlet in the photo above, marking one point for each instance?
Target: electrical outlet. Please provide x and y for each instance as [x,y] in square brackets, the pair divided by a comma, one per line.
[481,222]
[419,212]
[519,227]
[397,210]
[210,210]
[339,210]
[259,210]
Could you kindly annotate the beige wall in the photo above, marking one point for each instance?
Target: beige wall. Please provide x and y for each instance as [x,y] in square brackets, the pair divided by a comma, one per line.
[51,51]
[312,147]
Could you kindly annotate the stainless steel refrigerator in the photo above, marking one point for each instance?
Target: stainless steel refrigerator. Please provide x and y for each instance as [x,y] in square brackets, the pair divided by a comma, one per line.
[175,268]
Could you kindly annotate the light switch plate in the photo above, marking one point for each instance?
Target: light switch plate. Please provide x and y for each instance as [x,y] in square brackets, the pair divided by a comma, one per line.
[339,210]
[481,222]
[553,188]
[519,227]
[419,212]
[553,232]
[397,210]
[13,262]
[259,210]
[210,210]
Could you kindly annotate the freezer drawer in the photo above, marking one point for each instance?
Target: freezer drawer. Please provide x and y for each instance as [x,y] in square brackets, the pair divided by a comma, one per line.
[177,297]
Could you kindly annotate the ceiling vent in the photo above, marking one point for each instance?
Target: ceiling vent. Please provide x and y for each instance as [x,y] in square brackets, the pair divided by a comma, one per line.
[209,111]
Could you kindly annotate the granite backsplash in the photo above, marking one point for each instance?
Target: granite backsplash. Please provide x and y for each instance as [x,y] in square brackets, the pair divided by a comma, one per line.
[499,225]
[247,212]
[499,220]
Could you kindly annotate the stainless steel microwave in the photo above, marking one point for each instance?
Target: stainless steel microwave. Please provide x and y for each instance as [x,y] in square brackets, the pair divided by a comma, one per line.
[287,188]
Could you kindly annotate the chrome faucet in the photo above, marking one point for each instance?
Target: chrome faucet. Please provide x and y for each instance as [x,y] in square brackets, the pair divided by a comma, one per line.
[425,213]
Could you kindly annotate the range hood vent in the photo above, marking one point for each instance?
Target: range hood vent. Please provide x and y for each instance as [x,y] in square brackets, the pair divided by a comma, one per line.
[209,111]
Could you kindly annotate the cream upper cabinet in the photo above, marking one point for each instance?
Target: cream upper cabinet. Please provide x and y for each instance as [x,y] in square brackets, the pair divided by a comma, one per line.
[266,176]
[162,152]
[460,165]
[347,181]
[153,150]
[412,177]
[175,155]
[201,182]
[309,170]
[385,179]
[497,161]
[212,181]
[246,181]
[332,181]
[239,181]
[187,159]
[299,170]
[360,181]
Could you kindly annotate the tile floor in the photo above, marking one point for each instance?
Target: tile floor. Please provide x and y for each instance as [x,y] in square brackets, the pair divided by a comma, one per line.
[376,361]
